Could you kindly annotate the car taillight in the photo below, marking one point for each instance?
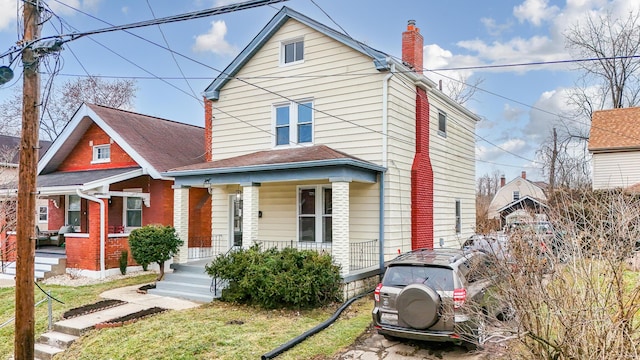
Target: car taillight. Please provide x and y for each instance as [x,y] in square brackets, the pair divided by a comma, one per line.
[376,294]
[459,296]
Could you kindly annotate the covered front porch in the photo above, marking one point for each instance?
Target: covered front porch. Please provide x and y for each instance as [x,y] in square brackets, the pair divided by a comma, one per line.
[328,202]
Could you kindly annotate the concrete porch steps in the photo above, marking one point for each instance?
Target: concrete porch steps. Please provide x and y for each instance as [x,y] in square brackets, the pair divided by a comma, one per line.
[45,266]
[187,281]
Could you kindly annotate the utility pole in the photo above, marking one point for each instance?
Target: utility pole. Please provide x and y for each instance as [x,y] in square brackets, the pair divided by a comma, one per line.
[25,328]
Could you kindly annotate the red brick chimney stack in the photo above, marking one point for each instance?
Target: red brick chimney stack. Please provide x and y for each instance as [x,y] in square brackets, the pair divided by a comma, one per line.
[503,181]
[412,46]
[524,175]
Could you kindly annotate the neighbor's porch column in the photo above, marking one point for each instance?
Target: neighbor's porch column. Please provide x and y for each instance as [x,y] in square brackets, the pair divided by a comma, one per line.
[340,223]
[250,208]
[181,222]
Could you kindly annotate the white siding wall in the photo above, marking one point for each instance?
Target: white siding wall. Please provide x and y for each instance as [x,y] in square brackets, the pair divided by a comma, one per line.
[612,170]
[346,95]
[504,195]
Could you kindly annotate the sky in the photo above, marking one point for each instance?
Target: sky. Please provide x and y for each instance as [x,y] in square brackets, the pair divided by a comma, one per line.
[518,105]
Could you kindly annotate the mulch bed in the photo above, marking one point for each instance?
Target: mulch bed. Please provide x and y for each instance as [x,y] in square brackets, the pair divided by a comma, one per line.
[91,308]
[128,319]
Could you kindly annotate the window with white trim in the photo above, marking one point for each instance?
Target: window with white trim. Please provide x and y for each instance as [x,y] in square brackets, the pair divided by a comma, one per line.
[43,213]
[442,123]
[73,211]
[315,207]
[292,51]
[293,123]
[133,210]
[101,153]
[516,195]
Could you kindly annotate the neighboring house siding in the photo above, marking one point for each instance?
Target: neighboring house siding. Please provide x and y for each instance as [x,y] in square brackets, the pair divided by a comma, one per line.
[453,162]
[347,112]
[612,170]
[82,154]
[504,195]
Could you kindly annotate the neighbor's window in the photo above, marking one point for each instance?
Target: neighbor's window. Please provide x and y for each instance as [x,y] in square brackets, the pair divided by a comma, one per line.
[442,123]
[293,123]
[315,214]
[292,51]
[516,195]
[458,218]
[73,210]
[43,213]
[133,212]
[101,153]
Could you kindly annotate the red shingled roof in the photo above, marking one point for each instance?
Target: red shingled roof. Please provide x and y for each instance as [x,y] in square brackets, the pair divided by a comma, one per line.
[163,143]
[615,129]
[271,157]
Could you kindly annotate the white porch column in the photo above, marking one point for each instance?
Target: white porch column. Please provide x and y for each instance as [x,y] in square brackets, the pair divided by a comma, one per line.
[250,208]
[340,223]
[181,222]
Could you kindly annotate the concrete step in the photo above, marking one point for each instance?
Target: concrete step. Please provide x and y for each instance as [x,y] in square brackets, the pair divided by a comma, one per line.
[79,325]
[46,352]
[44,267]
[57,339]
[195,268]
[186,287]
[199,297]
[191,278]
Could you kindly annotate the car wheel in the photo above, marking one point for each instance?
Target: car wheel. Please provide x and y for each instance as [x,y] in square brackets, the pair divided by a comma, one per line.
[418,306]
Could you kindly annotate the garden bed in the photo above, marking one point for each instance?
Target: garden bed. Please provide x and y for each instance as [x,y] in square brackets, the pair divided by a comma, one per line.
[91,308]
[130,318]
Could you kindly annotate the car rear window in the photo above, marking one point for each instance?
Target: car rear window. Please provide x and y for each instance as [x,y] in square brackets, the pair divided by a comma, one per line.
[437,278]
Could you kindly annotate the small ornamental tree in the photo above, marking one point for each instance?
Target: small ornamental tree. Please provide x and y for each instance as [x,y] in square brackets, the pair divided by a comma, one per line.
[154,243]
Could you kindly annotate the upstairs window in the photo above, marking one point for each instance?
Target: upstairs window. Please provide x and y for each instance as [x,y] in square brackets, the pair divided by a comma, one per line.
[442,123]
[101,153]
[458,218]
[292,51]
[516,195]
[293,123]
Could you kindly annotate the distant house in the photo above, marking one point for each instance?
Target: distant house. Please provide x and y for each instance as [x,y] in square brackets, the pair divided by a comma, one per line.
[103,177]
[517,200]
[316,140]
[614,142]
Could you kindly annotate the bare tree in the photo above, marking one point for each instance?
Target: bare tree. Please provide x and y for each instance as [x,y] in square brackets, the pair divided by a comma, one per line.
[613,43]
[487,186]
[461,89]
[60,105]
[565,160]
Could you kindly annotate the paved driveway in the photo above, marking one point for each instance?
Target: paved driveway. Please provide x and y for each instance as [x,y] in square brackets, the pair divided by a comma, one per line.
[372,346]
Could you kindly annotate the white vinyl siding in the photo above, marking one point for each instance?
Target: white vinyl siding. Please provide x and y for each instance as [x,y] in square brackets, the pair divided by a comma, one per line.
[614,170]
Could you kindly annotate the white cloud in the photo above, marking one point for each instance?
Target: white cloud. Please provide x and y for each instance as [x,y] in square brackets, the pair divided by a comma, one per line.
[214,41]
[493,28]
[488,152]
[226,2]
[8,13]
[512,114]
[534,11]
[67,7]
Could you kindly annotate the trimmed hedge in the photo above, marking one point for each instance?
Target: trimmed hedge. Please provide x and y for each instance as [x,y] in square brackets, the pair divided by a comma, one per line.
[288,278]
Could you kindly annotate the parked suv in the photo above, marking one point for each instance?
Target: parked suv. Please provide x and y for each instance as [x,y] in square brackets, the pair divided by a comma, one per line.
[434,295]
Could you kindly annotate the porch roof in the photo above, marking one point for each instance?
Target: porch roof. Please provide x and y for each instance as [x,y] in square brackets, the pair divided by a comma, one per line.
[84,180]
[302,163]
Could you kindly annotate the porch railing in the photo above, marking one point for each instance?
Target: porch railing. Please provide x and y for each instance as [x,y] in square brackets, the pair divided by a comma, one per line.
[363,254]
[300,245]
[205,246]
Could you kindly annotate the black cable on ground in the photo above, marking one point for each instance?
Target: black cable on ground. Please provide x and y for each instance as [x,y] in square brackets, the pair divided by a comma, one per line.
[295,341]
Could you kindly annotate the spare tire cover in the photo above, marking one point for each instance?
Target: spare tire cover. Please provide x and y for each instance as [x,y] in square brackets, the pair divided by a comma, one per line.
[418,306]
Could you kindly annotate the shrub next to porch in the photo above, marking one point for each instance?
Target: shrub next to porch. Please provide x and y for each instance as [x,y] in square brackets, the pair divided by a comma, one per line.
[288,278]
[154,243]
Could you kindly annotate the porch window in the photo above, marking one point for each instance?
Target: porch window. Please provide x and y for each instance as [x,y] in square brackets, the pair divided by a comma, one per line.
[314,214]
[133,212]
[43,213]
[101,153]
[73,211]
[293,123]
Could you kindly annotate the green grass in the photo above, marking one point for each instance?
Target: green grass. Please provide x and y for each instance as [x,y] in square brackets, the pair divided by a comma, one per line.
[211,331]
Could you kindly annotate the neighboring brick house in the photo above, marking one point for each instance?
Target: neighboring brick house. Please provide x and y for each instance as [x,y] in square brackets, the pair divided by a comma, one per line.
[103,176]
[517,200]
[614,142]
[319,141]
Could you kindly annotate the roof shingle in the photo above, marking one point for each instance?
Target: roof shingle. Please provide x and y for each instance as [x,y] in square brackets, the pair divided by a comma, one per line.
[615,129]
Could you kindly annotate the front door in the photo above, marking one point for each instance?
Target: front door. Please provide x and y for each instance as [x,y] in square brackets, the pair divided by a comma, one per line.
[235,216]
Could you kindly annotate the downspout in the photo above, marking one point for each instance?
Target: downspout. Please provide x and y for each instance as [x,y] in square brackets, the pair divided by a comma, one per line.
[385,114]
[102,228]
[381,226]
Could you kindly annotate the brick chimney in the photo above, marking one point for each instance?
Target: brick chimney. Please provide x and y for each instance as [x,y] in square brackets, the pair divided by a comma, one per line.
[503,181]
[524,175]
[208,129]
[412,46]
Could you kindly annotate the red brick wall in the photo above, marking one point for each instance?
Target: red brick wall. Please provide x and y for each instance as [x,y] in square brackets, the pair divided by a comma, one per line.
[113,248]
[199,218]
[422,179]
[9,248]
[56,214]
[208,129]
[82,154]
[412,47]
[161,193]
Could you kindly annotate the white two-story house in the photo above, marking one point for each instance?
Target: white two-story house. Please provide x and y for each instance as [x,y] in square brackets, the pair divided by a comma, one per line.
[316,140]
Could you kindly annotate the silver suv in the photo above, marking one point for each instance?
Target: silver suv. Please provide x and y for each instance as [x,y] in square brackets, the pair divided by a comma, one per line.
[434,295]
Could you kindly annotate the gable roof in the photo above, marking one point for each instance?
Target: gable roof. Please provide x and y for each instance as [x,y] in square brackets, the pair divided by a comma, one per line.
[522,203]
[615,129]
[155,144]
[380,59]
[10,149]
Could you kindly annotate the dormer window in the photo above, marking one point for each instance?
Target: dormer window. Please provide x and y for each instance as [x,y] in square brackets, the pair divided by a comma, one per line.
[101,153]
[292,51]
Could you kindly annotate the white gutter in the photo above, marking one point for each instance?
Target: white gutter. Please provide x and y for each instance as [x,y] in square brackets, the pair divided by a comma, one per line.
[102,228]
[385,114]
